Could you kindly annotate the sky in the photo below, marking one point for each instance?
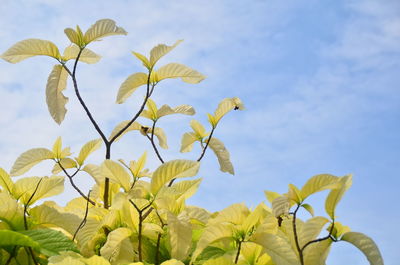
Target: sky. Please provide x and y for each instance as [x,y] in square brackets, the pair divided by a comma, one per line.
[319,79]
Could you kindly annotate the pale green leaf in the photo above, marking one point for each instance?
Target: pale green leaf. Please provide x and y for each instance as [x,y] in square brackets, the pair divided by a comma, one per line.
[234,214]
[143,59]
[225,106]
[12,238]
[111,248]
[11,212]
[175,70]
[87,149]
[280,206]
[75,36]
[49,186]
[57,147]
[366,245]
[278,249]
[66,163]
[55,99]
[159,51]
[187,142]
[317,253]
[102,28]
[162,138]
[198,128]
[5,181]
[134,126]
[181,109]
[222,154]
[130,85]
[254,218]
[311,229]
[180,236]
[116,173]
[87,56]
[30,47]
[30,158]
[170,262]
[294,194]
[309,208]
[185,189]
[138,166]
[96,260]
[318,183]
[223,260]
[171,170]
[336,195]
[271,195]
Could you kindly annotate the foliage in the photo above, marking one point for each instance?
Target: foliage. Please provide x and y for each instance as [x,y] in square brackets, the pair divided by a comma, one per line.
[133,215]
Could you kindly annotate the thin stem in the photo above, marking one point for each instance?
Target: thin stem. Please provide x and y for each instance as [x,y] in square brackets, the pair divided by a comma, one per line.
[11,256]
[151,138]
[322,238]
[238,252]
[141,219]
[296,239]
[207,143]
[70,177]
[157,258]
[82,224]
[33,256]
[27,204]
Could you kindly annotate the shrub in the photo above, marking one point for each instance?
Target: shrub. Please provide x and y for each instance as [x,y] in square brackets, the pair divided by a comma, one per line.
[133,215]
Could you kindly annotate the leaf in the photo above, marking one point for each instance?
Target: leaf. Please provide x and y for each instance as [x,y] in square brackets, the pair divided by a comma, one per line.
[138,166]
[280,206]
[311,229]
[234,214]
[87,149]
[271,195]
[185,189]
[366,245]
[30,158]
[66,163]
[279,249]
[97,260]
[87,56]
[188,140]
[254,218]
[210,235]
[171,170]
[159,51]
[180,236]
[294,194]
[11,212]
[49,186]
[336,195]
[181,109]
[51,242]
[102,28]
[111,248]
[309,208]
[116,173]
[225,106]
[318,183]
[12,238]
[130,85]
[5,181]
[151,111]
[55,99]
[317,253]
[175,70]
[198,128]
[169,262]
[162,138]
[135,126]
[57,147]
[222,154]
[223,260]
[29,48]
[143,59]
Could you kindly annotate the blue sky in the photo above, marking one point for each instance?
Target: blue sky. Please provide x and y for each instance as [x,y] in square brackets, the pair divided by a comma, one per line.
[320,81]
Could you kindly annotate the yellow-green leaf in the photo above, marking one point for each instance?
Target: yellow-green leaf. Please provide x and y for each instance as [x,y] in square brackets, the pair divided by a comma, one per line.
[135,126]
[225,106]
[234,214]
[366,245]
[65,163]
[30,47]
[171,170]
[87,149]
[294,194]
[176,70]
[138,166]
[180,236]
[75,36]
[48,186]
[57,147]
[87,56]
[130,85]
[188,140]
[97,260]
[116,173]
[198,128]
[151,111]
[30,158]
[55,99]
[309,208]
[311,229]
[181,109]
[186,188]
[222,260]
[143,59]
[111,248]
[319,183]
[271,195]
[280,206]
[11,212]
[336,195]
[317,253]
[278,248]
[159,51]
[102,28]
[168,262]
[254,218]
[222,154]
[162,138]
[5,181]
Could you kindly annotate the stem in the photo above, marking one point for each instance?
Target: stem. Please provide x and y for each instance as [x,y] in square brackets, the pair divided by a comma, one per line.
[320,239]
[141,219]
[82,224]
[27,204]
[70,177]
[157,259]
[151,138]
[296,236]
[238,252]
[33,256]
[11,256]
[205,148]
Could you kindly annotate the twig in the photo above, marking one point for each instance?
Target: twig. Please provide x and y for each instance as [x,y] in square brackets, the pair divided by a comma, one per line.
[82,224]
[151,138]
[27,203]
[205,148]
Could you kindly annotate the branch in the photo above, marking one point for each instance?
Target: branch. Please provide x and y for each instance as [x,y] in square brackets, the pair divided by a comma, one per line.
[238,252]
[151,138]
[322,238]
[296,237]
[205,148]
[27,204]
[73,184]
[82,224]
